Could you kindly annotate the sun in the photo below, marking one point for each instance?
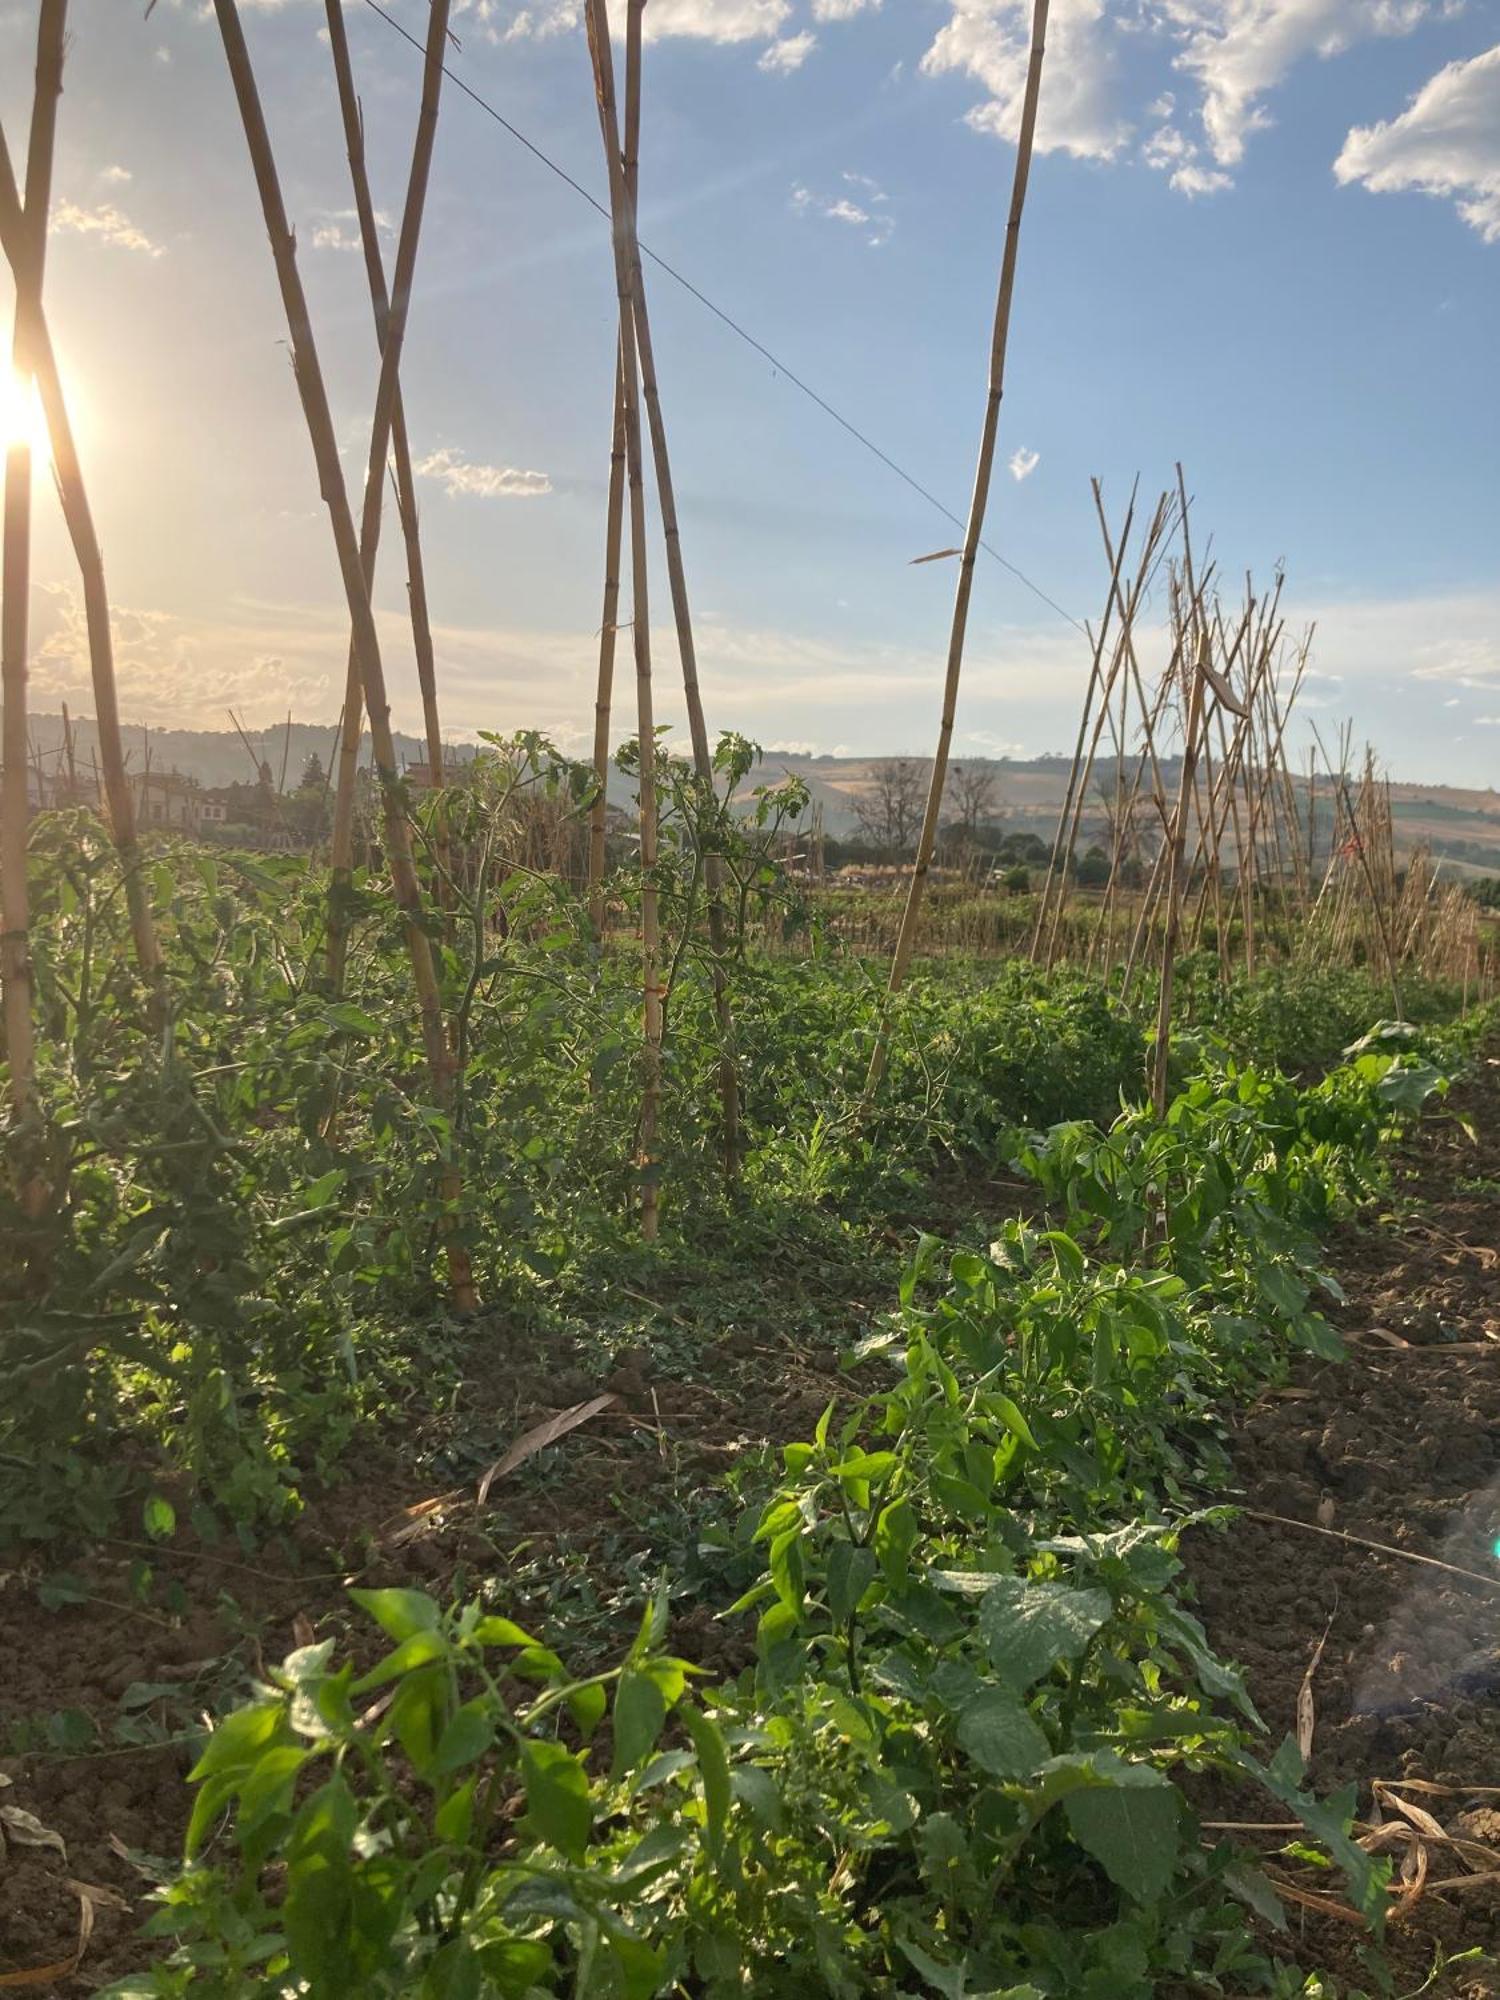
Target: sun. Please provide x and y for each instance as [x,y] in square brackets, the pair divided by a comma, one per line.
[21,419]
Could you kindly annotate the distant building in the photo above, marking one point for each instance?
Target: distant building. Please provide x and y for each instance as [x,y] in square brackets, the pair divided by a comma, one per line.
[166,799]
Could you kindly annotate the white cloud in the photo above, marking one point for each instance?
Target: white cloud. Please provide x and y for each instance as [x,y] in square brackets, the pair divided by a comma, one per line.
[1023,461]
[989,40]
[116,176]
[460,477]
[1238,51]
[841,10]
[871,213]
[71,218]
[790,53]
[338,228]
[1232,55]
[1445,143]
[717,20]
[1171,152]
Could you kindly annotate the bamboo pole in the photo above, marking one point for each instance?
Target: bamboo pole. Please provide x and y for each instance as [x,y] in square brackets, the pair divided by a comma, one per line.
[390,331]
[907,937]
[15,593]
[613,525]
[629,375]
[406,492]
[703,763]
[309,377]
[73,498]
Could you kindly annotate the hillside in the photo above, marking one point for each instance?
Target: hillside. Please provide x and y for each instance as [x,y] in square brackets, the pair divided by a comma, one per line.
[1460,825]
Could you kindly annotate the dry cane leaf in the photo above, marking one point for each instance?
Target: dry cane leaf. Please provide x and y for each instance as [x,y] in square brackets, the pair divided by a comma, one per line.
[540,1436]
[1413,1880]
[1306,1714]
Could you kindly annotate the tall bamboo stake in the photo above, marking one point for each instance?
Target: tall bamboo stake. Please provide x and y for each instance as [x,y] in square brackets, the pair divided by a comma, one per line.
[703,763]
[15,566]
[390,332]
[309,376]
[907,937]
[613,525]
[619,202]
[73,498]
[406,491]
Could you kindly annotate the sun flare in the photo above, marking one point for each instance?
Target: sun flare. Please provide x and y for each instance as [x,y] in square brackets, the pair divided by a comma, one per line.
[21,419]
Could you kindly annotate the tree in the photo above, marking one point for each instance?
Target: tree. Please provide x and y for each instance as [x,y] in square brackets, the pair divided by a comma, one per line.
[974,791]
[889,810]
[313,778]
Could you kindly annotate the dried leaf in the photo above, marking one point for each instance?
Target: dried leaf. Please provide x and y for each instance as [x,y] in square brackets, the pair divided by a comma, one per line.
[302,1629]
[26,1830]
[1326,1510]
[1306,1714]
[415,1521]
[540,1436]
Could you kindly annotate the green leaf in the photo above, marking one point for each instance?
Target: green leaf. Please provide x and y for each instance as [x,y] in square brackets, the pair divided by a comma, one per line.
[239,1740]
[1131,1828]
[851,1571]
[469,1733]
[353,1020]
[1010,1415]
[713,1769]
[420,1650]
[558,1805]
[639,1715]
[160,1518]
[501,1632]
[399,1612]
[894,1539]
[1028,1627]
[996,1732]
[785,1563]
[319,1893]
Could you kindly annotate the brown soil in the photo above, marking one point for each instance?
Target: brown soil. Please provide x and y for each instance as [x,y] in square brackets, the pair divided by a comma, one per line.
[1399,1445]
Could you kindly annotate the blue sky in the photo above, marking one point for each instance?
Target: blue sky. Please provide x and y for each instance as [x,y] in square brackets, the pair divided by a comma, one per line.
[1263,236]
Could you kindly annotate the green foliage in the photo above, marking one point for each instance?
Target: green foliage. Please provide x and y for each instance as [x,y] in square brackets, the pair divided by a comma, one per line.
[962,1755]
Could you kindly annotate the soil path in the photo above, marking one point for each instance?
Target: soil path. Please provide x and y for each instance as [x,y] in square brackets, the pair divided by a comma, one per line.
[1401,1445]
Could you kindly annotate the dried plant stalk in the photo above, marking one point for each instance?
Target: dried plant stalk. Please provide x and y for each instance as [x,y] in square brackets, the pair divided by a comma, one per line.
[703,763]
[907,937]
[73,497]
[613,526]
[390,331]
[406,492]
[314,396]
[15,815]
[640,627]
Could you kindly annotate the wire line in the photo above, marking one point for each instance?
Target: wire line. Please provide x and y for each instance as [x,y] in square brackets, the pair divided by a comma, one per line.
[731,322]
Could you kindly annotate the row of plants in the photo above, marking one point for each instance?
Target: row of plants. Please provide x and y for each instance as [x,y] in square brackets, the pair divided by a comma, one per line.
[246,1182]
[965,1758]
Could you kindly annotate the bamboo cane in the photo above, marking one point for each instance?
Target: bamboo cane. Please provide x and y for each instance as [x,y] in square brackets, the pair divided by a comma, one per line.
[613,525]
[703,763]
[309,376]
[390,330]
[15,563]
[907,937]
[604,86]
[73,498]
[406,492]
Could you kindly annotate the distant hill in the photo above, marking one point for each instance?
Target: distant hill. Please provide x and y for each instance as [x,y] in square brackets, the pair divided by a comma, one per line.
[1461,826]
